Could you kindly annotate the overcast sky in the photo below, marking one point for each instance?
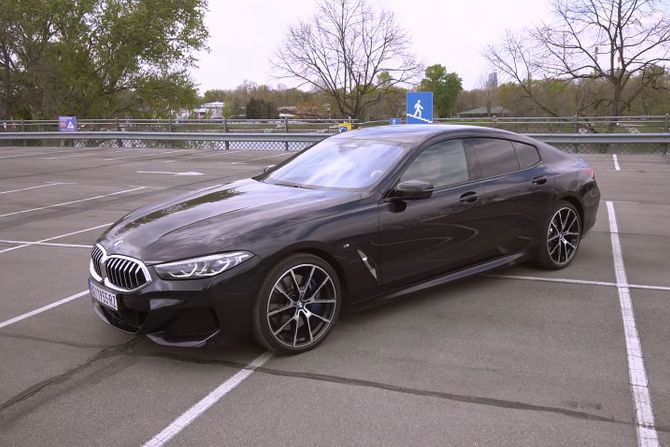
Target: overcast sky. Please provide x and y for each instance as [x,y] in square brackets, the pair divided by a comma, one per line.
[245,33]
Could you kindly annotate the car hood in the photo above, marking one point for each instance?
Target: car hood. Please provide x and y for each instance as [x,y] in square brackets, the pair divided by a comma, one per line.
[216,219]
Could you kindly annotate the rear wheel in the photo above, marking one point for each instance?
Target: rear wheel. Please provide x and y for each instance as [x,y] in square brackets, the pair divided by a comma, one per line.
[562,233]
[297,305]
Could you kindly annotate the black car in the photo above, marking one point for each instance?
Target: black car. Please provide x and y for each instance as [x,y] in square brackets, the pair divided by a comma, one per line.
[360,217]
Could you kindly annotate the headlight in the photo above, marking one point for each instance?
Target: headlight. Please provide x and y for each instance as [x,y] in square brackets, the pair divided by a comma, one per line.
[201,267]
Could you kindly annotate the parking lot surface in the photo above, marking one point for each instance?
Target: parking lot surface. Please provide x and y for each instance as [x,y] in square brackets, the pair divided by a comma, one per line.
[517,357]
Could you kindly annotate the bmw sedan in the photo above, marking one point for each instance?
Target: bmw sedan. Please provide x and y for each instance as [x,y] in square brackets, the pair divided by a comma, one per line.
[361,217]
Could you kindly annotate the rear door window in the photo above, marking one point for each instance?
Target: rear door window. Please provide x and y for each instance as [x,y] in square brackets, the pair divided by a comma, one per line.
[494,156]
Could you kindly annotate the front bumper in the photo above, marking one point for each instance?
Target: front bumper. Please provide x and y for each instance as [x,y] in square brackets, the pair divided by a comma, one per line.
[187,312]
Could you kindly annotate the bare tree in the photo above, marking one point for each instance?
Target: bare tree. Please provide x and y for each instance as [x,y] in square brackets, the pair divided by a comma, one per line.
[342,51]
[611,41]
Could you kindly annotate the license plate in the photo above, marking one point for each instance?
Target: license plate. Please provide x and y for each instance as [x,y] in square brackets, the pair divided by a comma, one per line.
[102,296]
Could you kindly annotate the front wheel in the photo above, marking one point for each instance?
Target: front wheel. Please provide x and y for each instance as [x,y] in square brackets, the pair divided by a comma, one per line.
[560,237]
[297,305]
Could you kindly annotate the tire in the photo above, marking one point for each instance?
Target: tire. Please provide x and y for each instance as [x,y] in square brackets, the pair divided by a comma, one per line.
[297,305]
[560,237]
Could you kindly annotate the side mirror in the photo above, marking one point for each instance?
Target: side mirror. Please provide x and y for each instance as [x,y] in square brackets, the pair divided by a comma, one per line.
[268,168]
[413,190]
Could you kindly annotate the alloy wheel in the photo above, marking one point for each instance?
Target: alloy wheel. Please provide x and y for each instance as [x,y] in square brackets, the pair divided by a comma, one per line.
[563,235]
[302,306]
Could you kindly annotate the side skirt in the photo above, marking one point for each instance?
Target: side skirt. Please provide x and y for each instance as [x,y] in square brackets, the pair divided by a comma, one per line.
[504,261]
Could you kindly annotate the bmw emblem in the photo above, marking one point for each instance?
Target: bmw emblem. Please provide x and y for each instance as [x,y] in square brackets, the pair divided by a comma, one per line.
[118,243]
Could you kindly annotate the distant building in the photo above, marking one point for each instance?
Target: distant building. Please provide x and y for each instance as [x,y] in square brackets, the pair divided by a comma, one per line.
[492,81]
[287,111]
[209,110]
[484,111]
[183,114]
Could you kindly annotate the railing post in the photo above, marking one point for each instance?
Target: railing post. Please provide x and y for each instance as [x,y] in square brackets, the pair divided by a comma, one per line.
[225,129]
[666,131]
[23,129]
[170,124]
[576,131]
[118,129]
[286,132]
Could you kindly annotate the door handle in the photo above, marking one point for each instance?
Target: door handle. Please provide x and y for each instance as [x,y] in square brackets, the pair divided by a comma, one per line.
[469,197]
[539,180]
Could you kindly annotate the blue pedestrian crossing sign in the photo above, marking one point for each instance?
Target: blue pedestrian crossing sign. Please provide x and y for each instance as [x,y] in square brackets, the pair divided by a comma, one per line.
[419,108]
[67,124]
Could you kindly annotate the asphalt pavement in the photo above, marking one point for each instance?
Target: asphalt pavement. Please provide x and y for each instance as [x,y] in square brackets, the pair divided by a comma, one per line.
[519,357]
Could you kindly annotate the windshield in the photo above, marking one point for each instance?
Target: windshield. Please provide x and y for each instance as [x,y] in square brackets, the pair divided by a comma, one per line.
[338,163]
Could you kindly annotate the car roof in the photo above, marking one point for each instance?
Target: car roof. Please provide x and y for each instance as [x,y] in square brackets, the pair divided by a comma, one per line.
[416,133]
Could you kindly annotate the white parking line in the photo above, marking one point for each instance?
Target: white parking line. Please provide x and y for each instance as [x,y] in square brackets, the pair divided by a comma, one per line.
[35,187]
[218,153]
[644,414]
[558,280]
[42,309]
[156,154]
[65,156]
[45,244]
[22,155]
[577,281]
[643,287]
[616,163]
[39,153]
[28,244]
[72,201]
[199,408]
[181,174]
[262,158]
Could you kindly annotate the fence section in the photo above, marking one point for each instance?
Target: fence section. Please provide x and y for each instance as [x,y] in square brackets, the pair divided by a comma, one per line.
[221,125]
[560,124]
[573,143]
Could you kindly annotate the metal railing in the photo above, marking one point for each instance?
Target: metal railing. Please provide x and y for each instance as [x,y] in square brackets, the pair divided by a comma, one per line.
[658,142]
[527,124]
[168,136]
[215,125]
[188,140]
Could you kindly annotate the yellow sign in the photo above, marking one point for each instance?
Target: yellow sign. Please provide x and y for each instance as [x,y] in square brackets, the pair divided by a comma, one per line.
[344,127]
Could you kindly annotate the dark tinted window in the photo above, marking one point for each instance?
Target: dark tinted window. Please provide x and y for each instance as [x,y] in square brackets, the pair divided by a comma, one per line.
[443,164]
[494,157]
[527,154]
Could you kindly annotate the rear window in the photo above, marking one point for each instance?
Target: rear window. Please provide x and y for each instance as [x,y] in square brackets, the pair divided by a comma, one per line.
[527,154]
[494,157]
